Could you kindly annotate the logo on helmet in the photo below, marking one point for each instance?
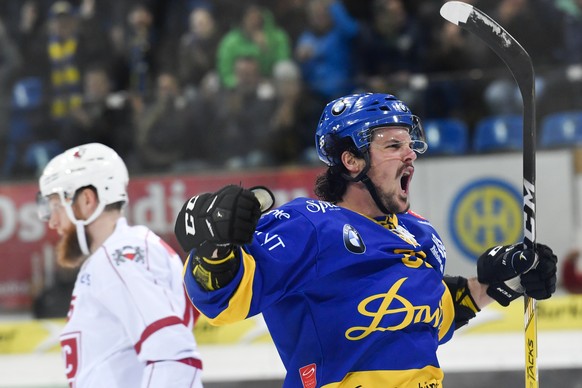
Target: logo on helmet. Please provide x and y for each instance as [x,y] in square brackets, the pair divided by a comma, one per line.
[401,107]
[338,108]
[79,152]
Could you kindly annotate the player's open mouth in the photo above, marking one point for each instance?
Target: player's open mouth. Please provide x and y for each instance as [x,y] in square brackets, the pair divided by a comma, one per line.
[405,180]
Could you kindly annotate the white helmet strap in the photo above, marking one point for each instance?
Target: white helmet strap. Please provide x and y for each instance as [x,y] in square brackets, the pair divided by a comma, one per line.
[82,238]
[80,224]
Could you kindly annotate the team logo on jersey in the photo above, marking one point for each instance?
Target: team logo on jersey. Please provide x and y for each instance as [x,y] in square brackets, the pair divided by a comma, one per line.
[70,343]
[393,311]
[405,235]
[353,241]
[128,253]
[485,213]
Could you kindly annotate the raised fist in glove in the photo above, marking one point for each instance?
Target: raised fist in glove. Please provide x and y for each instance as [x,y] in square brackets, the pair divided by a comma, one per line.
[511,270]
[217,220]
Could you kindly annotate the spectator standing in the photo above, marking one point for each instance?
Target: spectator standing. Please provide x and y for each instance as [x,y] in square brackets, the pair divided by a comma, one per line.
[563,91]
[569,27]
[521,20]
[288,141]
[200,146]
[135,49]
[391,49]
[257,36]
[244,116]
[104,116]
[198,48]
[31,39]
[10,61]
[30,141]
[291,16]
[74,41]
[160,126]
[450,92]
[324,49]
[63,44]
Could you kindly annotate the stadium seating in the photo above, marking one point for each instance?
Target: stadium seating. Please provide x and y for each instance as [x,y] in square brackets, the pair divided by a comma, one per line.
[446,137]
[563,129]
[499,133]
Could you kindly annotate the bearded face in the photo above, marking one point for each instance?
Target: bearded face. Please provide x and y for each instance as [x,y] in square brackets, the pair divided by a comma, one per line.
[68,249]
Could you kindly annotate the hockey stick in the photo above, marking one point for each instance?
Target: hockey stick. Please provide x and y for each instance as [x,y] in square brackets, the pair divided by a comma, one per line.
[520,65]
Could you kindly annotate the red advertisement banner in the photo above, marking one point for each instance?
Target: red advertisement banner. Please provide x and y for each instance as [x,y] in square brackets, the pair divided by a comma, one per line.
[27,257]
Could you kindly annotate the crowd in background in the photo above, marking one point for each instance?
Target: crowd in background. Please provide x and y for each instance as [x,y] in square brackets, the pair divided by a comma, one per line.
[190,85]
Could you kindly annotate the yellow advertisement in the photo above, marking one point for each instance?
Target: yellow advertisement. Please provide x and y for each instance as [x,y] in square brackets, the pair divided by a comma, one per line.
[561,312]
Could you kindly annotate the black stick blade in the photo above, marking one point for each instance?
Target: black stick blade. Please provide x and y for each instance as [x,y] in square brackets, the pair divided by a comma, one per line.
[497,38]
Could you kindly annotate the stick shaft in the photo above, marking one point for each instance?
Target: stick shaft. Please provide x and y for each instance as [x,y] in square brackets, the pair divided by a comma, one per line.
[520,65]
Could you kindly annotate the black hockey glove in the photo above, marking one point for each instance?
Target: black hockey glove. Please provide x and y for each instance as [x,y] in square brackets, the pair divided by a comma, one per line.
[217,220]
[540,282]
[500,267]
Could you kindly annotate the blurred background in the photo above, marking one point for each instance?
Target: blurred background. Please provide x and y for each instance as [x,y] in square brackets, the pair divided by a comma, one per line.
[195,94]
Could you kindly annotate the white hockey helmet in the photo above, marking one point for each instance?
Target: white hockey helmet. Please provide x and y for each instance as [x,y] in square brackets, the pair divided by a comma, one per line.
[90,164]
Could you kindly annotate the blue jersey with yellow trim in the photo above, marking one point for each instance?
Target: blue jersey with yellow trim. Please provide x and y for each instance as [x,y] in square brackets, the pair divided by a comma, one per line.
[349,301]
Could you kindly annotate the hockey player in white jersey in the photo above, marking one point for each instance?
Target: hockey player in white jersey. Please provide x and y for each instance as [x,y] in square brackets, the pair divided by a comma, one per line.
[129,324]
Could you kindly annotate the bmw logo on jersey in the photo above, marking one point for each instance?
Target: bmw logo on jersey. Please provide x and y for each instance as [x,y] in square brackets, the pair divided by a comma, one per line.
[352,240]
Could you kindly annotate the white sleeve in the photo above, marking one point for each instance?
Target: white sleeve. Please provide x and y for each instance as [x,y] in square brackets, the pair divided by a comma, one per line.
[171,374]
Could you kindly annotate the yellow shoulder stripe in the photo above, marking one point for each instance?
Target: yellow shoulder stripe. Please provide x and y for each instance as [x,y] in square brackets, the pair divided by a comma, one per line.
[240,302]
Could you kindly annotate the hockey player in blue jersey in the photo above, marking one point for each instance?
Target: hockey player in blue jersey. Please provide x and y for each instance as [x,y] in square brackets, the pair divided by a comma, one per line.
[351,285]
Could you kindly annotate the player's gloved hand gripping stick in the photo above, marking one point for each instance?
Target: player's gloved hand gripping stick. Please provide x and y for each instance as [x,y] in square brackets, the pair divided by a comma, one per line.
[210,224]
[512,270]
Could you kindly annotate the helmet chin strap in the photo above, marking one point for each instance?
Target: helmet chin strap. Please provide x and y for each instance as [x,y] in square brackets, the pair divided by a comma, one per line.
[374,193]
[363,177]
[80,225]
[82,238]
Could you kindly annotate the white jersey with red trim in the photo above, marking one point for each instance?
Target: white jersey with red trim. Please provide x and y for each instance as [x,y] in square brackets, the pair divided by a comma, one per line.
[129,324]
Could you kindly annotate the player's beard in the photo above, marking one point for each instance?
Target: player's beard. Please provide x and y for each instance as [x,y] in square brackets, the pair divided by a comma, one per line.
[390,201]
[69,253]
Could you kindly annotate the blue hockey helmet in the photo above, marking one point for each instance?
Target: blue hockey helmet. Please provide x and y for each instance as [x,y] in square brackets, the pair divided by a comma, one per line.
[357,115]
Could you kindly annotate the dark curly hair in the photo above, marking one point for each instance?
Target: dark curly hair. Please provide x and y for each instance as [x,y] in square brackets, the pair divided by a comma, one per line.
[332,184]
